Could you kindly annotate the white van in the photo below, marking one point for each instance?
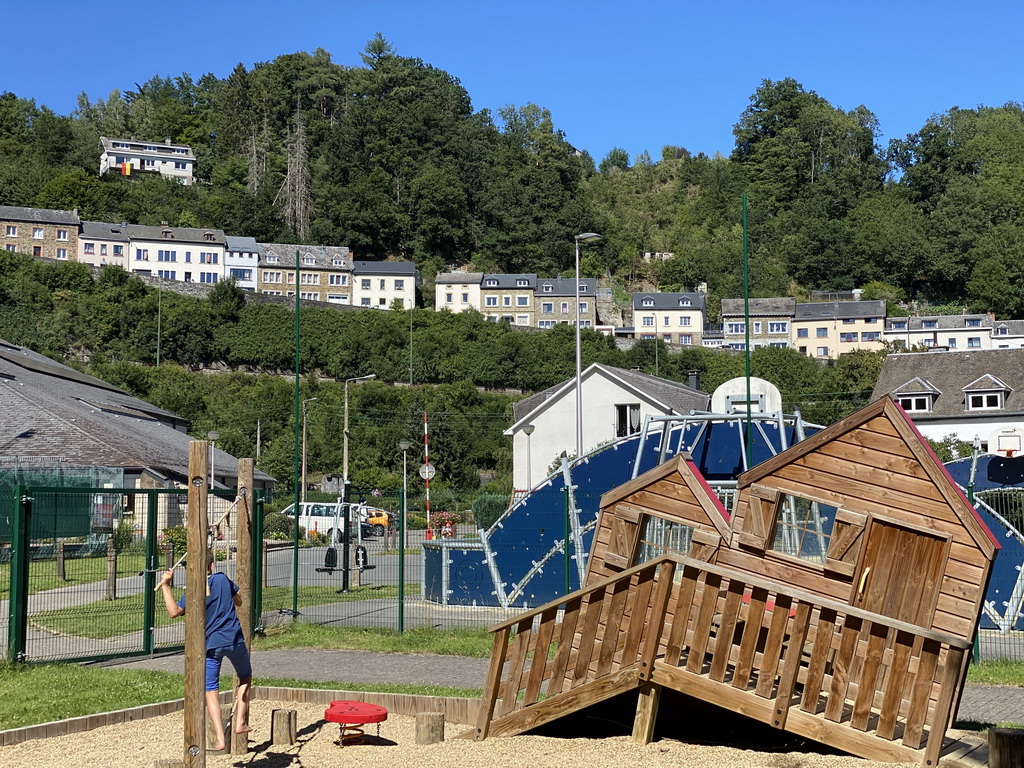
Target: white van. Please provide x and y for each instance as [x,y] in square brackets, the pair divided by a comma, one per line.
[328,518]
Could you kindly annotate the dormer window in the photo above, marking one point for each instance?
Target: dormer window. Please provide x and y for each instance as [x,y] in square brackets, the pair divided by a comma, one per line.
[972,322]
[168,235]
[647,302]
[984,401]
[930,324]
[271,259]
[491,282]
[1003,330]
[684,303]
[583,287]
[546,288]
[915,403]
[308,260]
[208,235]
[338,262]
[899,325]
[522,283]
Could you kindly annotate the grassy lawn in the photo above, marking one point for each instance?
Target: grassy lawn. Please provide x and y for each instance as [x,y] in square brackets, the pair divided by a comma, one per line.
[42,574]
[996,673]
[456,642]
[40,694]
[105,618]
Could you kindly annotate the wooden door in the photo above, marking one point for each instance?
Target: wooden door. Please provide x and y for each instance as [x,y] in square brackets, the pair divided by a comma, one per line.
[900,572]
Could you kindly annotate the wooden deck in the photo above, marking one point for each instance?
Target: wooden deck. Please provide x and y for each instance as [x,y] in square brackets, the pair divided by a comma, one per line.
[858,681]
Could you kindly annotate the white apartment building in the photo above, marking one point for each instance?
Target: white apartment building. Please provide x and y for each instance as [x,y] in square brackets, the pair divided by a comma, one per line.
[457,291]
[241,261]
[186,254]
[131,157]
[954,332]
[100,243]
[379,284]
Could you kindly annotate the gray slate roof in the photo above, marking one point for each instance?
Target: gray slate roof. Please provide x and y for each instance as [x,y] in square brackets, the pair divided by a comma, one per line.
[323,255]
[566,286]
[39,215]
[164,147]
[950,373]
[837,310]
[178,234]
[668,301]
[768,307]
[461,278]
[679,397]
[506,282]
[102,231]
[942,322]
[243,244]
[396,268]
[50,410]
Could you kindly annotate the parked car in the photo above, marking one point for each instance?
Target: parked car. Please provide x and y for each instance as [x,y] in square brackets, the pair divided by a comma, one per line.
[378,519]
[328,518]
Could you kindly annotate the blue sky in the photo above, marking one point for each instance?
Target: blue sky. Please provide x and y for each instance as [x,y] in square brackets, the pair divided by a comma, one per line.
[637,75]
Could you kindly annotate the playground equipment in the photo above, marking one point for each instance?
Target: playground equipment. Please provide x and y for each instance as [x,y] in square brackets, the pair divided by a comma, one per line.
[538,548]
[836,600]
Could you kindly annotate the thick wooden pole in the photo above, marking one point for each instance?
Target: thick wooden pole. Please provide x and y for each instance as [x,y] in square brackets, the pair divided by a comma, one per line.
[195,606]
[243,572]
[1005,747]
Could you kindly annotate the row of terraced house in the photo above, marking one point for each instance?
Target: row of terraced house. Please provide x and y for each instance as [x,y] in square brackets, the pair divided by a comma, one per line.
[208,256]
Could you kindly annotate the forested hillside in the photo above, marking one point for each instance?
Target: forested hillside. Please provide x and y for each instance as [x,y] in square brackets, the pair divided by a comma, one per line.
[391,159]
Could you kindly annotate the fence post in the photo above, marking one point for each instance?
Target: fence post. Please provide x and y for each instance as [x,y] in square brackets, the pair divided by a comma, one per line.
[17,627]
[111,570]
[152,564]
[60,561]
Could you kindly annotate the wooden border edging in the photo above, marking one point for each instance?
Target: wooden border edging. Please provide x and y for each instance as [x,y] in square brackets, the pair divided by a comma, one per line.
[456,710]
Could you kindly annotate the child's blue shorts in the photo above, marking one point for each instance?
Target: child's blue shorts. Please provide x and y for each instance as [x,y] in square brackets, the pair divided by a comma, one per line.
[238,655]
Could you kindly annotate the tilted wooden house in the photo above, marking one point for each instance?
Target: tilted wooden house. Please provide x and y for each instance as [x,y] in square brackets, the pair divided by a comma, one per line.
[837,603]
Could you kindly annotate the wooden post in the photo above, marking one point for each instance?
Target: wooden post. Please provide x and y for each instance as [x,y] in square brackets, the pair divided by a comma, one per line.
[60,561]
[243,572]
[111,570]
[1005,747]
[195,606]
[283,726]
[225,719]
[646,713]
[429,727]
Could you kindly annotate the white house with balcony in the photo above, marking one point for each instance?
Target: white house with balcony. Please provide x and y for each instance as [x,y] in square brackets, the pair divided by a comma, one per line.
[241,261]
[948,331]
[129,157]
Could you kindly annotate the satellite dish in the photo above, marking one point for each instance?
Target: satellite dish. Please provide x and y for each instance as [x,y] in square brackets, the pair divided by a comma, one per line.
[731,397]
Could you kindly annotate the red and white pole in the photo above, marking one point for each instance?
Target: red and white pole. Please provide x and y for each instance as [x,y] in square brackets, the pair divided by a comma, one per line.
[426,475]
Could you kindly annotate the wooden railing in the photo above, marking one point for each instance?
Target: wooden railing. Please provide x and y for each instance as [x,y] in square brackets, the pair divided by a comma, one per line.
[605,633]
[868,684]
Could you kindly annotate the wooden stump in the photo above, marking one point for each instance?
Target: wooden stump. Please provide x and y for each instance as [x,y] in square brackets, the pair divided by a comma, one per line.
[167,764]
[225,718]
[429,727]
[111,570]
[1005,747]
[283,726]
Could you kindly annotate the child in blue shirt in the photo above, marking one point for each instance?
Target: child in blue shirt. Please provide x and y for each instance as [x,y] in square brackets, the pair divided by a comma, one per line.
[223,639]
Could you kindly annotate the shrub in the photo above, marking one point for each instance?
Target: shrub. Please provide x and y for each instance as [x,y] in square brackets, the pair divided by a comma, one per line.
[176,537]
[487,508]
[276,523]
[124,535]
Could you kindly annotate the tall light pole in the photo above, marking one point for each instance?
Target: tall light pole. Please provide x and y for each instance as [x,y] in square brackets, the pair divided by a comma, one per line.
[403,446]
[344,434]
[302,495]
[586,237]
[528,430]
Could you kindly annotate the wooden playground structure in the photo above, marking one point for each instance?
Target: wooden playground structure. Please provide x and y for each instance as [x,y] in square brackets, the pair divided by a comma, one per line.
[838,602]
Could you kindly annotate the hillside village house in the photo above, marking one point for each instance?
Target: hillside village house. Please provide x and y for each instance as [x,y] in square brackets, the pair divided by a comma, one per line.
[555,302]
[40,232]
[100,244]
[325,272]
[964,393]
[380,284]
[771,321]
[186,254]
[241,261]
[457,291]
[950,331]
[828,329]
[615,404]
[508,298]
[131,157]
[675,318]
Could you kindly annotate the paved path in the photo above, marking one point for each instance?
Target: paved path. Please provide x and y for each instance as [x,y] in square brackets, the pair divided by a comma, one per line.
[980,703]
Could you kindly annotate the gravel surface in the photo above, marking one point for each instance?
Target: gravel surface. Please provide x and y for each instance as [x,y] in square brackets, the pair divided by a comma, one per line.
[141,743]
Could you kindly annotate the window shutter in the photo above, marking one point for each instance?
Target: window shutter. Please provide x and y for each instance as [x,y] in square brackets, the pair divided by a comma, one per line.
[704,545]
[847,538]
[623,539]
[757,523]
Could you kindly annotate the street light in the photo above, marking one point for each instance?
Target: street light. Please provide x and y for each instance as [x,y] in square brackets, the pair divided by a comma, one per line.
[586,237]
[302,495]
[528,430]
[403,446]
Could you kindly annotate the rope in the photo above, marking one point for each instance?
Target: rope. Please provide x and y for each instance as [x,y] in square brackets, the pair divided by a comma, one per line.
[219,521]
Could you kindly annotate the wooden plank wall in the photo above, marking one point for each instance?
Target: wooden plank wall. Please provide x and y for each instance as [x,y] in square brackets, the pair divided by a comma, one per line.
[872,470]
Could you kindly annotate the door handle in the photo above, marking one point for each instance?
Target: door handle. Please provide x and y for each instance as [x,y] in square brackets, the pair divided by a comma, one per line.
[863,583]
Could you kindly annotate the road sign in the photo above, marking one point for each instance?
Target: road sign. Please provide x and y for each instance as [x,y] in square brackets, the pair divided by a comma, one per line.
[427,471]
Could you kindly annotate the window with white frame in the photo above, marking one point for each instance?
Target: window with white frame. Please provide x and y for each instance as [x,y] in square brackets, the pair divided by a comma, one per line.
[365,284]
[522,319]
[337,279]
[11,247]
[757,326]
[584,307]
[448,298]
[821,333]
[166,255]
[399,285]
[984,401]
[930,324]
[584,323]
[821,352]
[271,259]
[522,301]
[520,283]
[546,324]
[686,338]
[506,301]
[89,249]
[383,284]
[309,261]
[547,308]
[12,230]
[119,250]
[310,295]
[870,335]
[103,249]
[311,278]
[465,298]
[735,327]
[951,342]
[490,301]
[62,254]
[647,321]
[776,326]
[565,307]
[898,325]
[848,338]
[666,321]
[271,277]
[62,234]
[972,322]
[647,302]
[37,233]
[684,321]
[974,342]
[142,254]
[364,301]
[179,166]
